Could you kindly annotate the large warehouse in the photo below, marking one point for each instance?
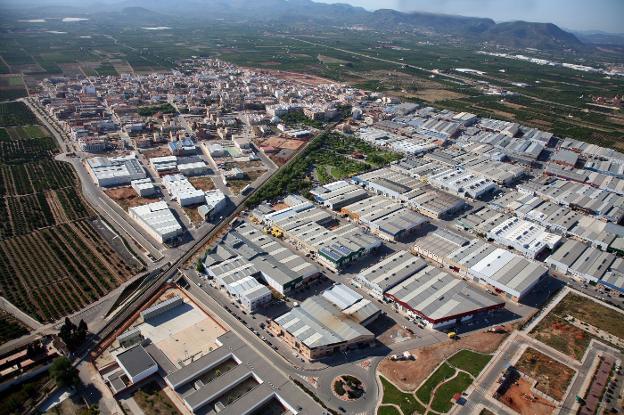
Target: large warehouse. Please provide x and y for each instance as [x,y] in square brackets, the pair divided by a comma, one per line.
[118,171]
[389,272]
[497,268]
[589,264]
[440,299]
[157,220]
[317,328]
[246,251]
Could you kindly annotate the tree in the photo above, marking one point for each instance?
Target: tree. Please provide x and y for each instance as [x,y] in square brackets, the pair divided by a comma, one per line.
[73,335]
[63,373]
[199,266]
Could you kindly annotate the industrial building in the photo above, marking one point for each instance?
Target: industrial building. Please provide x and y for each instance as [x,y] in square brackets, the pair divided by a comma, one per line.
[603,235]
[165,164]
[182,190]
[352,304]
[388,272]
[601,203]
[387,219]
[246,251]
[496,268]
[194,168]
[462,183]
[440,299]
[237,277]
[144,187]
[118,171]
[337,195]
[439,244]
[215,201]
[526,237]
[588,264]
[157,220]
[333,248]
[317,328]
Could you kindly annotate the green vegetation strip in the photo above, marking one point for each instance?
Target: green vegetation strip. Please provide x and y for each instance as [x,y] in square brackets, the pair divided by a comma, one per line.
[443,372]
[406,401]
[388,410]
[471,362]
[443,395]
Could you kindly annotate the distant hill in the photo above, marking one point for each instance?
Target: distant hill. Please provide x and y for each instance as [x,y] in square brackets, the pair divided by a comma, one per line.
[513,34]
[531,35]
[303,13]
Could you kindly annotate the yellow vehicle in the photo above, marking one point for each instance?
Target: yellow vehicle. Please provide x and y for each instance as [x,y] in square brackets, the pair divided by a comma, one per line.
[452,335]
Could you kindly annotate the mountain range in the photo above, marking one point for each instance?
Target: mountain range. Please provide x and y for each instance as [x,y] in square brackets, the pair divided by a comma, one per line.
[307,13]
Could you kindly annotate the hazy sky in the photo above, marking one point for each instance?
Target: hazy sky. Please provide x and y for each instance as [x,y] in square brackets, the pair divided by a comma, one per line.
[606,15]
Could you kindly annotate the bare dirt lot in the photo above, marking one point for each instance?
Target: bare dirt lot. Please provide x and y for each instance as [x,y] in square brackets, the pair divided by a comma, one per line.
[202,183]
[519,398]
[286,143]
[126,197]
[408,375]
[157,152]
[552,376]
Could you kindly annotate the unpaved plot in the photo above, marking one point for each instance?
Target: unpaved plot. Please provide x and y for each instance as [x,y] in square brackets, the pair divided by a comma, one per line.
[408,375]
[519,398]
[156,152]
[552,376]
[126,197]
[202,183]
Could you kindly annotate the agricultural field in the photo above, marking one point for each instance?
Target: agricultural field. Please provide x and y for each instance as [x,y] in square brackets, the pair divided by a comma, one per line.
[11,87]
[553,377]
[53,261]
[10,328]
[15,114]
[553,330]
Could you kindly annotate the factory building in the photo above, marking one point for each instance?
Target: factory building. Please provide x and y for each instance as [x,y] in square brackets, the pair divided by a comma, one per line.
[526,237]
[165,164]
[440,299]
[118,171]
[317,328]
[246,251]
[462,183]
[337,195]
[497,269]
[352,304]
[388,272]
[157,220]
[182,190]
[588,264]
[144,187]
[438,245]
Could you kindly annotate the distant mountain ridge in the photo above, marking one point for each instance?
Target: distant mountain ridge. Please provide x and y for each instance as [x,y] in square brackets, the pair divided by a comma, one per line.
[517,34]
[300,13]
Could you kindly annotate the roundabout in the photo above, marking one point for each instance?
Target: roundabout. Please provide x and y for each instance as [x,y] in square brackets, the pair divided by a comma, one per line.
[347,387]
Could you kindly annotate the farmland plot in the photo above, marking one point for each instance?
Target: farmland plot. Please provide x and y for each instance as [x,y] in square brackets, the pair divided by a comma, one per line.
[52,260]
